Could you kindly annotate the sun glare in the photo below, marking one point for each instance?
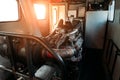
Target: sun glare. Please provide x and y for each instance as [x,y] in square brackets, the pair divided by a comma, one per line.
[40,11]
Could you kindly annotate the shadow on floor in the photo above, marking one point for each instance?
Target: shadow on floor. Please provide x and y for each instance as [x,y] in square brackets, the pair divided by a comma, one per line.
[92,66]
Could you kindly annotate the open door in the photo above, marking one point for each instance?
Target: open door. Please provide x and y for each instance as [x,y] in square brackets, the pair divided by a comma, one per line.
[57,12]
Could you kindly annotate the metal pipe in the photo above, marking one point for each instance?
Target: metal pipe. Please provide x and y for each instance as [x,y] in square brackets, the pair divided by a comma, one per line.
[64,53]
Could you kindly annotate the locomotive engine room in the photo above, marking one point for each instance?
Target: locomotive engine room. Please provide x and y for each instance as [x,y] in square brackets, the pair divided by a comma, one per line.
[59,40]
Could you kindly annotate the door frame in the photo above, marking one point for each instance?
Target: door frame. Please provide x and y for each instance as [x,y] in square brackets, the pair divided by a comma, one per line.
[50,13]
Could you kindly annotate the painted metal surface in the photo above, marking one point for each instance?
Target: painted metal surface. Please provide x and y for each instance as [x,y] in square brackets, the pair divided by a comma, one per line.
[95,29]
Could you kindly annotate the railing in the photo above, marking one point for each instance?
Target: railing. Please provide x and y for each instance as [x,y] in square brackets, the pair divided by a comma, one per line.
[27,38]
[111,54]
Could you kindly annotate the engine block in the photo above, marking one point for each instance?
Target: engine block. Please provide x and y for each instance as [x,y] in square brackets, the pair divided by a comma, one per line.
[67,40]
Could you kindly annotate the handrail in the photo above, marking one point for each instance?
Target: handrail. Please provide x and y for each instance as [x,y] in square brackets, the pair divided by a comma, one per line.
[39,40]
[29,63]
[111,44]
[115,59]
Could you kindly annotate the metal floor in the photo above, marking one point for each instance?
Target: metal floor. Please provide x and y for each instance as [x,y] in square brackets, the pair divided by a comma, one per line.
[92,66]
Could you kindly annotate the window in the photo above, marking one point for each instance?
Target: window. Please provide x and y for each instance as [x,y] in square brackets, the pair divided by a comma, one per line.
[72,13]
[40,10]
[111,10]
[8,10]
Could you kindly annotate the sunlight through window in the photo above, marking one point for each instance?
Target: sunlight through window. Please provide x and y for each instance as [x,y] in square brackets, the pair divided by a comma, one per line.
[40,11]
[8,10]
[54,16]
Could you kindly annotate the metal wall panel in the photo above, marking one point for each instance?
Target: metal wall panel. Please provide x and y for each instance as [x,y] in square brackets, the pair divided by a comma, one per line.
[95,29]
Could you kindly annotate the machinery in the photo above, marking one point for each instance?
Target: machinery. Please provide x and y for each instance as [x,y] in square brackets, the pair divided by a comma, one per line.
[55,57]
[67,40]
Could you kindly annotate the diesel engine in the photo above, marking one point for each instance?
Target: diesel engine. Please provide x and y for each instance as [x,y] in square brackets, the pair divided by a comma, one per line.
[54,57]
[66,40]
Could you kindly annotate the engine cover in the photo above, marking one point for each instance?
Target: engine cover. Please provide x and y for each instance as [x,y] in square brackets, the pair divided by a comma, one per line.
[45,72]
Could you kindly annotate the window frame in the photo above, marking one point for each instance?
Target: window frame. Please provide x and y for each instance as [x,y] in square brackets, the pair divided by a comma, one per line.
[109,6]
[19,14]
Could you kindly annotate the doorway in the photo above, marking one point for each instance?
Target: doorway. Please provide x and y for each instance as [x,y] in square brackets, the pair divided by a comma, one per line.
[57,12]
